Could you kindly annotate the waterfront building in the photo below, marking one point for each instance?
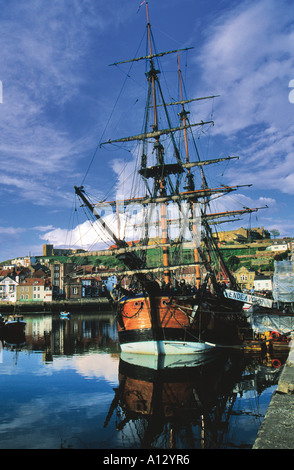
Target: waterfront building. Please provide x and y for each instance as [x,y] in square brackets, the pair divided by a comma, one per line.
[34,289]
[59,272]
[82,287]
[8,287]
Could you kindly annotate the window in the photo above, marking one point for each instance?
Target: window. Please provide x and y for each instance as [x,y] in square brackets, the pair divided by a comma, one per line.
[75,290]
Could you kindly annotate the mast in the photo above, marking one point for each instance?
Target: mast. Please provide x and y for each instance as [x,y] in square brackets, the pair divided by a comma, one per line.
[183,117]
[152,73]
[160,183]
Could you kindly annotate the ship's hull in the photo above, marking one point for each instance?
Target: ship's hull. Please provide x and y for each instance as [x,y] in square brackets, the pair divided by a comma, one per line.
[165,347]
[15,325]
[169,325]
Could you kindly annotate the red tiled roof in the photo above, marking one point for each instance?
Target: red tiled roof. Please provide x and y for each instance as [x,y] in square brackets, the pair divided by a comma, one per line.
[5,272]
[31,281]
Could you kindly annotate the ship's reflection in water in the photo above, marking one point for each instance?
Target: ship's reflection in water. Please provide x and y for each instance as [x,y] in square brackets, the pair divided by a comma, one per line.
[66,385]
[184,402]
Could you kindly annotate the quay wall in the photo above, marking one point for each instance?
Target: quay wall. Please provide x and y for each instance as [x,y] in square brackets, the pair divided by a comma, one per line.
[55,306]
[277,429]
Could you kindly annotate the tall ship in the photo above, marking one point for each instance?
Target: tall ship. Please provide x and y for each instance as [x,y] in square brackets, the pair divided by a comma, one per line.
[175,293]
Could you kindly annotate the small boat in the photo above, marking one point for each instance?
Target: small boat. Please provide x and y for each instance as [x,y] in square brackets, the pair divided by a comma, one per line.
[65,314]
[15,325]
[2,326]
[2,322]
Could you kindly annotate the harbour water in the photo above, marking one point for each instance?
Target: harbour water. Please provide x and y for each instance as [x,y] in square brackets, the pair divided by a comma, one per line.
[66,386]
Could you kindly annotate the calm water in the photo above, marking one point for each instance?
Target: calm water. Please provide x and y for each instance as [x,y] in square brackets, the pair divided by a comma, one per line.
[66,386]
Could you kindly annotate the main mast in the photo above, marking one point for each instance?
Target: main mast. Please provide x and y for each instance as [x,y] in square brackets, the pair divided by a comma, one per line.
[190,180]
[160,182]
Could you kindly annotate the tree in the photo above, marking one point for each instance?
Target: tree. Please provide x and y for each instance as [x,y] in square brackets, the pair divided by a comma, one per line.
[275,233]
[233,262]
[282,256]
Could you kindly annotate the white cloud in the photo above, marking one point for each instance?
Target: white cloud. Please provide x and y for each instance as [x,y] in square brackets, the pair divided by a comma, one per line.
[88,236]
[44,228]
[42,53]
[248,59]
[11,230]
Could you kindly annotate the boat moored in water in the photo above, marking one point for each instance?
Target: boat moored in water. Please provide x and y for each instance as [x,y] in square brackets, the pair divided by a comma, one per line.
[2,322]
[65,315]
[15,325]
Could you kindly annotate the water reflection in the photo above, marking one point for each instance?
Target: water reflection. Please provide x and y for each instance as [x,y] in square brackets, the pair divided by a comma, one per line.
[77,335]
[190,405]
[66,385]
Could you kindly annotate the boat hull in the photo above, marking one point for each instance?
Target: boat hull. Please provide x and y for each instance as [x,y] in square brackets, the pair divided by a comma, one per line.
[168,325]
[166,347]
[15,325]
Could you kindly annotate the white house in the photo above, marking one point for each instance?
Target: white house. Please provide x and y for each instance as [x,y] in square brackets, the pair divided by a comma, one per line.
[110,282]
[8,289]
[24,261]
[280,247]
[262,283]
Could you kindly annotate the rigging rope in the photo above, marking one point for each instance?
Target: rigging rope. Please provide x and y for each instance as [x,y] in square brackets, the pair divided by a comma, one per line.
[111,114]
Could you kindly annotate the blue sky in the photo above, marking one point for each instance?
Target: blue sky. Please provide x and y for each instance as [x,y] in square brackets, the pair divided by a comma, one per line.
[58,96]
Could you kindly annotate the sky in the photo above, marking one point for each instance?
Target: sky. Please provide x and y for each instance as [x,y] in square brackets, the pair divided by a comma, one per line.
[59,99]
